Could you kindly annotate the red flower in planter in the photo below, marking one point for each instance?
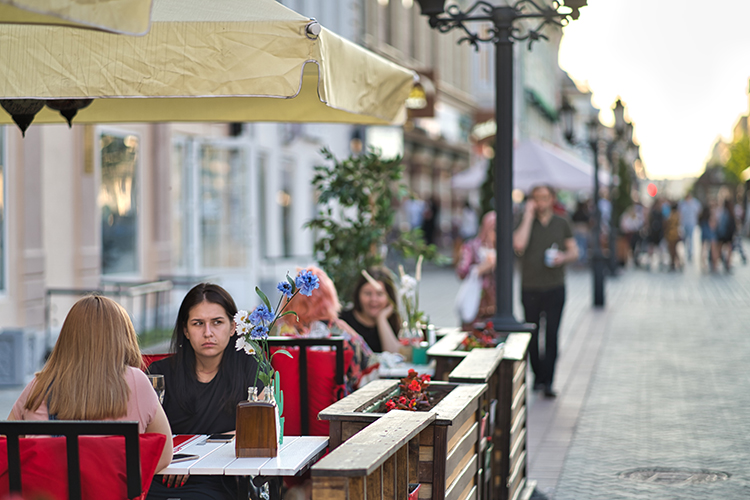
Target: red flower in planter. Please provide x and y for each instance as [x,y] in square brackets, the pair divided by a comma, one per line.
[413,394]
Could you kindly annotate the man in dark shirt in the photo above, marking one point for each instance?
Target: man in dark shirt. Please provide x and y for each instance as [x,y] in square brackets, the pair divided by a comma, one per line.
[545,243]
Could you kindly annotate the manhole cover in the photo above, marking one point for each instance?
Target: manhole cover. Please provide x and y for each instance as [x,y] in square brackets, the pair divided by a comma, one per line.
[666,475]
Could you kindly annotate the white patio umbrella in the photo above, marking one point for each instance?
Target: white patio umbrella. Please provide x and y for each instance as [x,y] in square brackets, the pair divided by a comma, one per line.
[128,17]
[224,61]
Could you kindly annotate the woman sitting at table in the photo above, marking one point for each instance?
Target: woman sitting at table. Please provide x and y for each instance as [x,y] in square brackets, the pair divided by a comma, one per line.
[204,380]
[375,314]
[318,316]
[94,373]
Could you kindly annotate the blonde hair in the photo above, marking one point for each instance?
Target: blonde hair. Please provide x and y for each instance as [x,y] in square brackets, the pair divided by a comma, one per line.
[84,378]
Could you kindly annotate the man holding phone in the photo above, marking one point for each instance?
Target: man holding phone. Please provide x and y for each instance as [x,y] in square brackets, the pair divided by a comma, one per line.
[544,243]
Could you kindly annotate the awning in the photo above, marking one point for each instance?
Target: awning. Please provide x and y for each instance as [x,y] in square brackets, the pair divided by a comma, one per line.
[536,163]
[128,17]
[222,61]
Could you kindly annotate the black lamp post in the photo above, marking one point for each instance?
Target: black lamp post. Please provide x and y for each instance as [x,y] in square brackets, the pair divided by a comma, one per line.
[592,141]
[503,34]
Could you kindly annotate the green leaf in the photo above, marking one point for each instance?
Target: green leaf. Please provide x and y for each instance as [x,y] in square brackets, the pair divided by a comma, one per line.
[263,297]
[288,313]
[291,282]
[282,351]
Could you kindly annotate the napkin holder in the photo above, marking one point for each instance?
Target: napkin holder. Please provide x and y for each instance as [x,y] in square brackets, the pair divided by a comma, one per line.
[257,429]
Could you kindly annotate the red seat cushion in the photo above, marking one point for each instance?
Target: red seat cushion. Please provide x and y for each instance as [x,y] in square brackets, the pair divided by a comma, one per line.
[321,386]
[44,471]
[150,358]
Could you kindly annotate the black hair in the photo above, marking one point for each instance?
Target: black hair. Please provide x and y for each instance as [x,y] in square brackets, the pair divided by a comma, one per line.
[384,276]
[236,371]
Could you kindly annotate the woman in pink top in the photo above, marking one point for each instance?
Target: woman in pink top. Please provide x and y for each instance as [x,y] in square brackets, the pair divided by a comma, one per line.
[94,373]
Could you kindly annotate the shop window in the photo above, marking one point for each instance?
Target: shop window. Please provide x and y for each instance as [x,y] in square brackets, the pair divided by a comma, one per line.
[118,201]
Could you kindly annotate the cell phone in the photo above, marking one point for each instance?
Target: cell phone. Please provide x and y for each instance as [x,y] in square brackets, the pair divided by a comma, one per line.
[183,457]
[219,438]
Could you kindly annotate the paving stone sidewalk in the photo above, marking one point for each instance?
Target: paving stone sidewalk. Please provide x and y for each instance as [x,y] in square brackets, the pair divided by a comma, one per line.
[656,380]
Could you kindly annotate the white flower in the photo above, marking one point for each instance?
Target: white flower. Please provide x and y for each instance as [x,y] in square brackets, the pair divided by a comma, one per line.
[244,344]
[242,316]
[242,329]
[408,288]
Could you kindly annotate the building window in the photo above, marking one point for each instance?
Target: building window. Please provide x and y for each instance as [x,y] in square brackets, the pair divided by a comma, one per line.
[181,208]
[262,201]
[118,200]
[284,198]
[223,203]
[2,210]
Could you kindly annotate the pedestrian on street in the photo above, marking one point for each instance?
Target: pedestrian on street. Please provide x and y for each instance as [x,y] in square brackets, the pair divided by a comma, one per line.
[545,244]
[709,245]
[689,209]
[478,256]
[672,227]
[726,227]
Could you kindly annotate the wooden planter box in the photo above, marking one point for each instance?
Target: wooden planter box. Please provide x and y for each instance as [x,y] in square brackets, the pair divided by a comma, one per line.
[504,372]
[450,447]
[448,354]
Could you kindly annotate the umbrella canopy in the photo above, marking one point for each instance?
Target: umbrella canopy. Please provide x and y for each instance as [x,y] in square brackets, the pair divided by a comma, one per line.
[128,17]
[535,163]
[224,60]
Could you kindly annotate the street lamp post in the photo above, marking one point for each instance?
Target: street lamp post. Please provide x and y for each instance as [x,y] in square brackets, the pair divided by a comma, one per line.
[503,34]
[592,141]
[597,259]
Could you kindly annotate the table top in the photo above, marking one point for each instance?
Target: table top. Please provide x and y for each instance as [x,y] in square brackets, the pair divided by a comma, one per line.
[217,459]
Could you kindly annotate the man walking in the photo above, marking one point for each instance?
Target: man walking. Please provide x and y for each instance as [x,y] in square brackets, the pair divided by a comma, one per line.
[689,209]
[545,243]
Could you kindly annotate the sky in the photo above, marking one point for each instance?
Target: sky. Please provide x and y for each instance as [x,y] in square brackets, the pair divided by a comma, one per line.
[681,67]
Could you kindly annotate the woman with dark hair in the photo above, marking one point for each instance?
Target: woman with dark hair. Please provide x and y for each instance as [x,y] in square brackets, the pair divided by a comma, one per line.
[375,314]
[204,380]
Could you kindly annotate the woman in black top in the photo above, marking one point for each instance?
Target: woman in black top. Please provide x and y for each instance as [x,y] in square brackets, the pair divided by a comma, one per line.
[204,380]
[375,314]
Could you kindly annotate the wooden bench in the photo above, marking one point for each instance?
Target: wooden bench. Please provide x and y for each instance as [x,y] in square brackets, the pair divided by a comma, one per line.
[504,371]
[450,446]
[379,462]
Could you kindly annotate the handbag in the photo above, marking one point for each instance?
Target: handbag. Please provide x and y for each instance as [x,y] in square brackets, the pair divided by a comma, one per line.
[468,296]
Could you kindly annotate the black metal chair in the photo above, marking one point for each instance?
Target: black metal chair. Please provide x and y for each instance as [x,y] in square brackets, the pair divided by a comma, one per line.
[303,343]
[71,430]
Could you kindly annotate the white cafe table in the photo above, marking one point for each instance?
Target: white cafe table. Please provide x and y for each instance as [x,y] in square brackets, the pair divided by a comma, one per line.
[295,456]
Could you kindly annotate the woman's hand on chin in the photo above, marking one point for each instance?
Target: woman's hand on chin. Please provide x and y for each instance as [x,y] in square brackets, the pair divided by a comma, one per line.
[386,312]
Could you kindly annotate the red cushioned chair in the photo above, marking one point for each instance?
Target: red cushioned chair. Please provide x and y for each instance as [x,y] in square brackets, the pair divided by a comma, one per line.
[105,460]
[321,386]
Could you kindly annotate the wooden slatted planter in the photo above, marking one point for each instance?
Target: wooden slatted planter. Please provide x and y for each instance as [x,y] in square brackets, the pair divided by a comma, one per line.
[447,353]
[449,447]
[504,371]
[380,462]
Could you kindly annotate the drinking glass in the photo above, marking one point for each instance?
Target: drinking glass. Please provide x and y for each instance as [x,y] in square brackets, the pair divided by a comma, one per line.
[157,382]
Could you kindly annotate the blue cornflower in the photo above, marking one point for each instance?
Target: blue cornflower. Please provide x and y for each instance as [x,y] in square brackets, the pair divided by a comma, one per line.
[261,314]
[286,288]
[306,281]
[259,332]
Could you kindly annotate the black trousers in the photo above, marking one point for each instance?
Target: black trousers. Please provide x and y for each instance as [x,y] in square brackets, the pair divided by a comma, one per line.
[548,304]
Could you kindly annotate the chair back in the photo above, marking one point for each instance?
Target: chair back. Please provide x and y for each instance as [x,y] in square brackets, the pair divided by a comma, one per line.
[71,430]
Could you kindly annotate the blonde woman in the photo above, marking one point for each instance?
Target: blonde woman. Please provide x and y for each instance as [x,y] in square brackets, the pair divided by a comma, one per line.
[94,373]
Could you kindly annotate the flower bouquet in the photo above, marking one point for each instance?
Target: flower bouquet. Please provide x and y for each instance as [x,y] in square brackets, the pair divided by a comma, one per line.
[252,337]
[413,393]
